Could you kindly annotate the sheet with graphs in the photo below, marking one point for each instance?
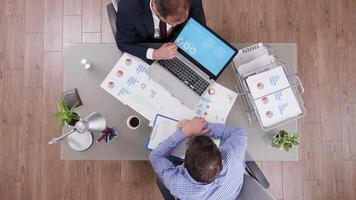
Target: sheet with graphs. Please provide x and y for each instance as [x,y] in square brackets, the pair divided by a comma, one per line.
[273,96]
[129,83]
[216,103]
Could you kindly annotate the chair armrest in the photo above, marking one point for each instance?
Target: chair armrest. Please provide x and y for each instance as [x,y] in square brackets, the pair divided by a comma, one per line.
[115,4]
[112,18]
[254,171]
[164,191]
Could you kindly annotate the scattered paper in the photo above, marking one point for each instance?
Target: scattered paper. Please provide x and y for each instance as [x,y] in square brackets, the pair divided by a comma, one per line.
[250,53]
[277,107]
[216,103]
[252,66]
[267,82]
[127,75]
[129,83]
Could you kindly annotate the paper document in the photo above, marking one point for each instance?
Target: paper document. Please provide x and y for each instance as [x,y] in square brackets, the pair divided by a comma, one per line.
[178,111]
[127,75]
[163,128]
[277,107]
[216,103]
[148,100]
[267,82]
[129,83]
[274,98]
[252,66]
[248,54]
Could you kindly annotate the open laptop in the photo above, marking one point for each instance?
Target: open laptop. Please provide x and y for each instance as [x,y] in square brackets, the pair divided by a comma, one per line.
[202,56]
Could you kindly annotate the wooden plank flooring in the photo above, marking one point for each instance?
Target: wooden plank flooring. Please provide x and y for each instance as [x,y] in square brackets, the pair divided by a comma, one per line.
[32,34]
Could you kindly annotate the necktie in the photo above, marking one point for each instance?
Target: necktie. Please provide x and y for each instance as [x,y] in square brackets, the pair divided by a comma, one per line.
[163,30]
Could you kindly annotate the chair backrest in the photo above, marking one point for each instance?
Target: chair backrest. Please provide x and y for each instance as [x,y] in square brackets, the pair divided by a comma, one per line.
[251,189]
[112,13]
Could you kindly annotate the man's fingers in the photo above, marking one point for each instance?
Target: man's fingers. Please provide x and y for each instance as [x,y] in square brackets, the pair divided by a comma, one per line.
[170,44]
[184,120]
[205,131]
[204,124]
[172,48]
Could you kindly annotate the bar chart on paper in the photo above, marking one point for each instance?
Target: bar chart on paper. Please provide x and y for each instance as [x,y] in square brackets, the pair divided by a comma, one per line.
[131,81]
[274,80]
[140,69]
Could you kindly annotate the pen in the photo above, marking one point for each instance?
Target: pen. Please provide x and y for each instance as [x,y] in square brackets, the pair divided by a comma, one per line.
[106,132]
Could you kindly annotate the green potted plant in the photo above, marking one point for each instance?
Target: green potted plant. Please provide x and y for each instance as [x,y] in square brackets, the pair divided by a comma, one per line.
[285,140]
[65,114]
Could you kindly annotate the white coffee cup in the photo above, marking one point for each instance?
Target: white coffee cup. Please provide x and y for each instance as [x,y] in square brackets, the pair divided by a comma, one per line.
[133,122]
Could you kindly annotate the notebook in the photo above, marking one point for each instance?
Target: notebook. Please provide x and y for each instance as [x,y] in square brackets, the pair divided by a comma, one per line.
[164,127]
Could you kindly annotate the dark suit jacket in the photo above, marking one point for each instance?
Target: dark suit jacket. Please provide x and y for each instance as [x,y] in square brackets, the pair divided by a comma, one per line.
[135,25]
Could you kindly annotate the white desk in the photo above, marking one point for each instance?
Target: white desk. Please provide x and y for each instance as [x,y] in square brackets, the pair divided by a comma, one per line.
[131,143]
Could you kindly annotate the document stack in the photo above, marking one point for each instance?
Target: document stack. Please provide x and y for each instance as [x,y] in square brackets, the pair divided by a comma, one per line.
[270,94]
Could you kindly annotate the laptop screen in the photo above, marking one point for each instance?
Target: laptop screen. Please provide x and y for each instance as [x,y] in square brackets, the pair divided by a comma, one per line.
[205,47]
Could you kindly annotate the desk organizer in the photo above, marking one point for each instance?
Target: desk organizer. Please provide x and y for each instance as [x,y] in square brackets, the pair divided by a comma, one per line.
[248,101]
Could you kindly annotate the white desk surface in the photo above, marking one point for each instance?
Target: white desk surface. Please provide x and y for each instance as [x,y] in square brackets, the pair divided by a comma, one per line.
[131,144]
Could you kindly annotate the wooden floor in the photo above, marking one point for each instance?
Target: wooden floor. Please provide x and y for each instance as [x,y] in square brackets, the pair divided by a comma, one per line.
[32,34]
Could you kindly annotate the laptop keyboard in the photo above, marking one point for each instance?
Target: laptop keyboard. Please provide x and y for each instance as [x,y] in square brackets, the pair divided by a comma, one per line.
[185,74]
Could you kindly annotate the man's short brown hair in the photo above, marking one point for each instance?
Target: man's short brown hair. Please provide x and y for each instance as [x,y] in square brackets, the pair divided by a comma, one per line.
[203,159]
[177,9]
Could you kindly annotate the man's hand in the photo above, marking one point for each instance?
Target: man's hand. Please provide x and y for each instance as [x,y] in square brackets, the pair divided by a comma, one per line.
[195,127]
[165,52]
[182,124]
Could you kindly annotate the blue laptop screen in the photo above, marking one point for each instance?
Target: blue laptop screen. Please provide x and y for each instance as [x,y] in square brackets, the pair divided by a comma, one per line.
[204,47]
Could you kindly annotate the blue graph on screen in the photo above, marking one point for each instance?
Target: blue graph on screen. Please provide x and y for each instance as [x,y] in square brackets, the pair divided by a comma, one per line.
[204,47]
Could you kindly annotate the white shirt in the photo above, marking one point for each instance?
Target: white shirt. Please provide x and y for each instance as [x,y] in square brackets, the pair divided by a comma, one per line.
[157,32]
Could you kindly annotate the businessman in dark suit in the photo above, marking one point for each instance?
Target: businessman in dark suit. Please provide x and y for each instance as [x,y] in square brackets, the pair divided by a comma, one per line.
[154,21]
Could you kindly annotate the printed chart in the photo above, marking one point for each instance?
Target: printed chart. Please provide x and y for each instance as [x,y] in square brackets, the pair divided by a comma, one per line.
[129,83]
[216,103]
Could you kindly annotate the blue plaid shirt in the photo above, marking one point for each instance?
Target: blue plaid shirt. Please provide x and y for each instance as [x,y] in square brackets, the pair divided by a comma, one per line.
[228,183]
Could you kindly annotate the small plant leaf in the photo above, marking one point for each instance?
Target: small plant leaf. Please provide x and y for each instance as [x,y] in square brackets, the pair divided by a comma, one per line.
[285,140]
[65,114]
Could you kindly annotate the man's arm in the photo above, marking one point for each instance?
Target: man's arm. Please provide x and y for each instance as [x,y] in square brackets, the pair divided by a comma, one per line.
[197,11]
[234,139]
[159,158]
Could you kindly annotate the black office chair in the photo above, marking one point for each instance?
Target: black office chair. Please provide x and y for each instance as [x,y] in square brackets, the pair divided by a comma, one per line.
[112,10]
[255,185]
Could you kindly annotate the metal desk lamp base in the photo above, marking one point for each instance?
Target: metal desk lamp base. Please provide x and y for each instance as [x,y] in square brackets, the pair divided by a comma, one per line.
[80,141]
[81,137]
